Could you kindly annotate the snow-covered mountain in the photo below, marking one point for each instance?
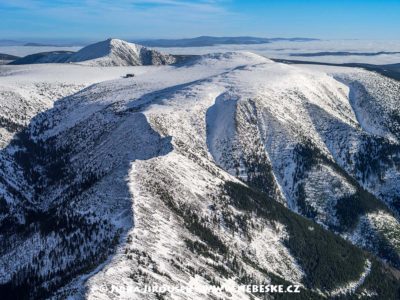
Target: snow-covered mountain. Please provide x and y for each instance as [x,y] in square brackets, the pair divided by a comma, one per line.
[114,52]
[111,52]
[228,170]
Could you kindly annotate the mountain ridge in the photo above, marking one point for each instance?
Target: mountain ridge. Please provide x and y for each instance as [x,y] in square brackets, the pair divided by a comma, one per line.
[236,170]
[111,52]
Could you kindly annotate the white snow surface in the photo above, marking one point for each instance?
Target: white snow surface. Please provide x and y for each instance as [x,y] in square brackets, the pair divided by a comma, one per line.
[26,90]
[166,134]
[177,108]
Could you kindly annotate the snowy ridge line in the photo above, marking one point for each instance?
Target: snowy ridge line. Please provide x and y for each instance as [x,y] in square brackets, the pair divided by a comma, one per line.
[200,166]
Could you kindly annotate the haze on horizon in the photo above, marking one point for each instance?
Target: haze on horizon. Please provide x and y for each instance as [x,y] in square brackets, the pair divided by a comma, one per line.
[98,19]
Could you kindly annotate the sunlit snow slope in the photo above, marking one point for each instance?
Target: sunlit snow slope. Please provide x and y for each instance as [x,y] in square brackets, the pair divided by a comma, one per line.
[227,170]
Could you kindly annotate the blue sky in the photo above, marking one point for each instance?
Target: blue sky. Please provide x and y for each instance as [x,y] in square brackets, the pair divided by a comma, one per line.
[96,19]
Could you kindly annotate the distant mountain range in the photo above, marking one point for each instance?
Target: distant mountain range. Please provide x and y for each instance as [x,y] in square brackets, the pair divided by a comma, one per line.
[203,41]
[200,41]
[46,45]
[7,43]
[8,57]
[10,43]
[343,53]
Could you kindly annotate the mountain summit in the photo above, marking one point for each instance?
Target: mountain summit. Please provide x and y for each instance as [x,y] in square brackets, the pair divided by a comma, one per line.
[115,52]
[111,52]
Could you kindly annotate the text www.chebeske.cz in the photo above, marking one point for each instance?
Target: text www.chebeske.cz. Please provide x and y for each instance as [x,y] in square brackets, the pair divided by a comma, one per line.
[250,289]
[271,288]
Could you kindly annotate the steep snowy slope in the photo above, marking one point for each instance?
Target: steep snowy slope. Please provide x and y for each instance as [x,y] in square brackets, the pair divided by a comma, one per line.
[325,163]
[111,52]
[196,177]
[27,90]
